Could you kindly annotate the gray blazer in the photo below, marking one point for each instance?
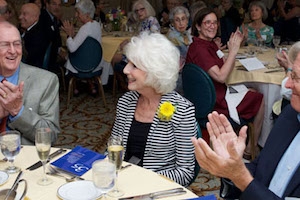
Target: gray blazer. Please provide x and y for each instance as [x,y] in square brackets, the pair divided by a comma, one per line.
[41,103]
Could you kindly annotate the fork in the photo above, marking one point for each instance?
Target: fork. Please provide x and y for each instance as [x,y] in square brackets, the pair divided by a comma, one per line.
[56,172]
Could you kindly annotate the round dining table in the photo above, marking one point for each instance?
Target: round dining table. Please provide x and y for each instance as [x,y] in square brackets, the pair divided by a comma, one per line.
[133,180]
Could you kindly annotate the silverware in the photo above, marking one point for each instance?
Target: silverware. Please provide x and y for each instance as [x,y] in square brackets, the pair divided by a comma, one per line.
[157,195]
[14,185]
[56,172]
[126,166]
[51,156]
[274,70]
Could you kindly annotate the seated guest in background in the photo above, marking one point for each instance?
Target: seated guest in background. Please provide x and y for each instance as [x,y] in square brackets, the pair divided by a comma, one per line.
[275,173]
[144,13]
[39,3]
[289,21]
[205,53]
[194,8]
[179,36]
[164,14]
[50,24]
[159,140]
[229,19]
[33,36]
[84,11]
[4,15]
[29,97]
[99,14]
[256,29]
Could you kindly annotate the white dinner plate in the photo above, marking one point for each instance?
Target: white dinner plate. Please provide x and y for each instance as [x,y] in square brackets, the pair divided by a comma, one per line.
[79,190]
[3,177]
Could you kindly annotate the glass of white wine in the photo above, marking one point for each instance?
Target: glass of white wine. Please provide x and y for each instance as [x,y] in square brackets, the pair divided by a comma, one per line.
[43,145]
[104,175]
[115,155]
[10,142]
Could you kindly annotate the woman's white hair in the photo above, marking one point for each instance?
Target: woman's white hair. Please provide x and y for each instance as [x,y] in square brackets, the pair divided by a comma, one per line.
[86,7]
[149,9]
[158,57]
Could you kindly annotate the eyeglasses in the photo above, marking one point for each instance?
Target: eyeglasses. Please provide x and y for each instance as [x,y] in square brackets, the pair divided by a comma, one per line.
[208,23]
[138,10]
[7,45]
[294,77]
[178,20]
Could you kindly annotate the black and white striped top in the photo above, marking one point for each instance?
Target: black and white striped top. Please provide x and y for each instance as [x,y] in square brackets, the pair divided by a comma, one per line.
[169,150]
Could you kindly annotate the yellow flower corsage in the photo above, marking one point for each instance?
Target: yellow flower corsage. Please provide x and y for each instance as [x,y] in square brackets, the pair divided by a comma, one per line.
[165,111]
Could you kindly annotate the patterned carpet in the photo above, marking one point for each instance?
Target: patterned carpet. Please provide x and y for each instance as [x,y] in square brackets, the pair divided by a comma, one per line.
[87,123]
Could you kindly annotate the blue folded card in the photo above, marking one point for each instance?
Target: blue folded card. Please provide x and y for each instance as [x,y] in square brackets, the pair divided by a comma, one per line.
[78,161]
[209,197]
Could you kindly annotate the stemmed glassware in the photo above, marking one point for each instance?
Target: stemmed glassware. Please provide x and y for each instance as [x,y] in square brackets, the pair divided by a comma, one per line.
[43,146]
[10,142]
[104,175]
[276,41]
[115,155]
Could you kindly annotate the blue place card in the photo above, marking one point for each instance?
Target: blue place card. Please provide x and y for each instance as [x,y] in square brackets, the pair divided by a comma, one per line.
[78,161]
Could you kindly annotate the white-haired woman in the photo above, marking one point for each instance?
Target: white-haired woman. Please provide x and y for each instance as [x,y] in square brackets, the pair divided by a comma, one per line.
[144,13]
[256,29]
[156,122]
[179,36]
[84,11]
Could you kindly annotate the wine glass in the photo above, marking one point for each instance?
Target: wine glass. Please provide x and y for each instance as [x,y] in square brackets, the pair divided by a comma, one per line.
[276,41]
[104,175]
[10,146]
[43,146]
[115,155]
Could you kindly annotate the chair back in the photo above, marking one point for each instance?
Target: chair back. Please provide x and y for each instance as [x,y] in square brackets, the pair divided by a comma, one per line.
[47,57]
[200,90]
[88,56]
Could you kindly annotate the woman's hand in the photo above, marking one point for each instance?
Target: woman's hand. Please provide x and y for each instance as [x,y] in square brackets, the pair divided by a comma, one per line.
[68,28]
[235,41]
[283,60]
[218,42]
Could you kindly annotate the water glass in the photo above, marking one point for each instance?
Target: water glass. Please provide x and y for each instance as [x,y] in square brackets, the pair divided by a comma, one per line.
[104,175]
[10,147]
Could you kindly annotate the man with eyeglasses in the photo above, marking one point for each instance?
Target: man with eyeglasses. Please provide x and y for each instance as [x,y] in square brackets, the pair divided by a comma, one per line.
[51,23]
[29,96]
[275,173]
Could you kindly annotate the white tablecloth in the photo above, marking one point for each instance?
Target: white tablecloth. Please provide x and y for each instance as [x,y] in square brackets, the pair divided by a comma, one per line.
[133,180]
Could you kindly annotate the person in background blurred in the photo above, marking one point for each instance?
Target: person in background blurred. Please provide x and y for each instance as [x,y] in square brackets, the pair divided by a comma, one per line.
[156,122]
[256,29]
[144,13]
[163,17]
[35,42]
[206,54]
[85,11]
[3,11]
[229,19]
[289,12]
[179,36]
[51,26]
[39,3]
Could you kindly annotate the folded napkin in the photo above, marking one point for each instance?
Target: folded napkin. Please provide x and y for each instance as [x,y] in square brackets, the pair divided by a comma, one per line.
[78,161]
[209,197]
[233,99]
